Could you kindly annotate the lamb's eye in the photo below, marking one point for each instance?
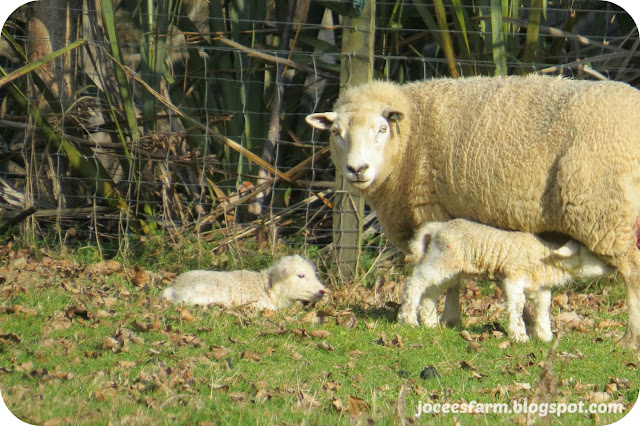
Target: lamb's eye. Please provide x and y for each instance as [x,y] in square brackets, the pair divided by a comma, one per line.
[335,131]
[301,275]
[383,128]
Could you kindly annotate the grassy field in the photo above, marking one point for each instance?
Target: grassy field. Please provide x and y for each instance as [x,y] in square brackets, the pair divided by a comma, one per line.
[89,342]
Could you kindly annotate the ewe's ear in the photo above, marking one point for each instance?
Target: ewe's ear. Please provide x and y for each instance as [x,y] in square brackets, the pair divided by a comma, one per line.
[321,120]
[392,114]
[569,249]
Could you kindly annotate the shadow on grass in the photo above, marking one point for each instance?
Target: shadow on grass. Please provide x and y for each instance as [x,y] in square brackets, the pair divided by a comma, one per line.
[388,312]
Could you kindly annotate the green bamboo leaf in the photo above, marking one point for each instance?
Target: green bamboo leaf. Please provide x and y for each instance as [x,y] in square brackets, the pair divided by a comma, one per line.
[108,16]
[462,23]
[26,69]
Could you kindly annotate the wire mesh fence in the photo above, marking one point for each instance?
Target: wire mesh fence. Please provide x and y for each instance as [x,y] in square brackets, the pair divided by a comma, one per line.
[187,118]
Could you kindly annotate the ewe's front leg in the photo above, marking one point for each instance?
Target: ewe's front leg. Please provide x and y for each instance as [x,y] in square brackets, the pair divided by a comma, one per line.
[514,295]
[542,299]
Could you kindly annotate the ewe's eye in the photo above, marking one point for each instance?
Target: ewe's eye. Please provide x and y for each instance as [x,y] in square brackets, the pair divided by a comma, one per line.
[301,275]
[335,131]
[383,128]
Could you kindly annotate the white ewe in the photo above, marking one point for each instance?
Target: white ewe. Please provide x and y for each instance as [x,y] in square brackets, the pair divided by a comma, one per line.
[533,154]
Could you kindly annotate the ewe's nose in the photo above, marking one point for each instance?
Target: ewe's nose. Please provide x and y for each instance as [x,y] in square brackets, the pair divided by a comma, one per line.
[357,172]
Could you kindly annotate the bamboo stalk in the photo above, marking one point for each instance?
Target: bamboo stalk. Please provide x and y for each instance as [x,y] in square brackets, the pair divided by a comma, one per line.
[498,38]
[447,45]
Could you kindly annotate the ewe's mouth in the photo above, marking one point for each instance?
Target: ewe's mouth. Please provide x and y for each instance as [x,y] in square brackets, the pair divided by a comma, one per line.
[360,184]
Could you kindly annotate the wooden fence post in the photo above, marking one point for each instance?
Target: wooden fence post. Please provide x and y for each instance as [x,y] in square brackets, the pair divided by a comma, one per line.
[356,68]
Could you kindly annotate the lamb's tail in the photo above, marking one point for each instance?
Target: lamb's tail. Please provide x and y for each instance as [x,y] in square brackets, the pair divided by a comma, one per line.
[168,293]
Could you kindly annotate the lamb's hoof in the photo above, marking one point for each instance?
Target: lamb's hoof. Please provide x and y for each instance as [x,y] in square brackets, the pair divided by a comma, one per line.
[428,323]
[411,320]
[519,337]
[630,341]
[545,336]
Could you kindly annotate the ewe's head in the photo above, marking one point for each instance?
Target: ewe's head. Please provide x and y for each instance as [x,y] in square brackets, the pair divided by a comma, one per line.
[580,261]
[366,132]
[294,278]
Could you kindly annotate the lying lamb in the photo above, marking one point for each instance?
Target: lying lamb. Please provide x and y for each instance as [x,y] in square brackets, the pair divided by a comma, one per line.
[525,263]
[292,278]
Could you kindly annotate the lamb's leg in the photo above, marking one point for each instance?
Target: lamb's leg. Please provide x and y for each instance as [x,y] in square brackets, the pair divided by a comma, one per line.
[630,271]
[514,295]
[451,312]
[428,309]
[412,293]
[542,299]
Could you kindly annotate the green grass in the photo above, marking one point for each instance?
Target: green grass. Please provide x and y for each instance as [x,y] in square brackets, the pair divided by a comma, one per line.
[133,358]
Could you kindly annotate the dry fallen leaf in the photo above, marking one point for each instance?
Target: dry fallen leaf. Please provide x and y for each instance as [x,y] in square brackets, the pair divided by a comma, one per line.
[250,356]
[324,345]
[474,347]
[220,352]
[346,319]
[336,403]
[356,406]
[185,315]
[466,336]
[307,400]
[504,345]
[320,334]
[140,277]
[598,397]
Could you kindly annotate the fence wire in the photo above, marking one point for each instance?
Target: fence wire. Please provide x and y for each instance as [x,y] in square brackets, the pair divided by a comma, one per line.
[195,125]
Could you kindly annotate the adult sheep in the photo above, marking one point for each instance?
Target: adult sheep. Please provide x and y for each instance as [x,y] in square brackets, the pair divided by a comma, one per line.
[533,154]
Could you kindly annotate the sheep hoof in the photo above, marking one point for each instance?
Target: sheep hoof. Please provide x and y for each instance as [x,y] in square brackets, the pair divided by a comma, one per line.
[630,341]
[544,335]
[452,322]
[407,319]
[519,337]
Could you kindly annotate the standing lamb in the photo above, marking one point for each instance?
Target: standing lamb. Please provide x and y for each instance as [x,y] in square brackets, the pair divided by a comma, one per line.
[292,278]
[532,154]
[523,262]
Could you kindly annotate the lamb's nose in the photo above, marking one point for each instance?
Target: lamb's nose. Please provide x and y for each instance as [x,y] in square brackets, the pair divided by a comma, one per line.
[359,170]
[321,292]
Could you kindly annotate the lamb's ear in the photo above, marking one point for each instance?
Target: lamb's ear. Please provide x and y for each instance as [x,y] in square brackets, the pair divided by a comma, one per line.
[393,114]
[321,120]
[569,249]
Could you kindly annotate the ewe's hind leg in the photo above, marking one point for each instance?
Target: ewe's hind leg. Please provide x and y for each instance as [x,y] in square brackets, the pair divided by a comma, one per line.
[542,299]
[514,295]
[451,312]
[630,271]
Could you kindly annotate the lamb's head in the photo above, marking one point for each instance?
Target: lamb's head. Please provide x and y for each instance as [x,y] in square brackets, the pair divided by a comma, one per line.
[580,261]
[294,278]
